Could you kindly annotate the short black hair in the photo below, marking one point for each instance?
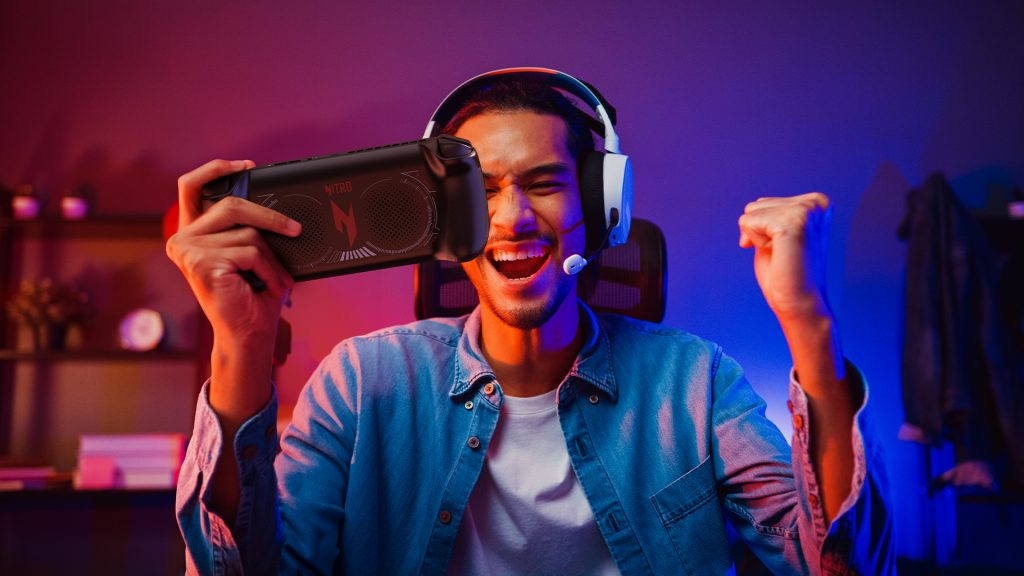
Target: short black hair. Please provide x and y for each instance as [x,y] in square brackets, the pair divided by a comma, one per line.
[519,94]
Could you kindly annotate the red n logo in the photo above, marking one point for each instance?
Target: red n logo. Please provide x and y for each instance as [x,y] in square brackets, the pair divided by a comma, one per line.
[345,221]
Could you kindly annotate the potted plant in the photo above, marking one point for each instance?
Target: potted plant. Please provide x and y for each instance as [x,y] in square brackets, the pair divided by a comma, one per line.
[47,307]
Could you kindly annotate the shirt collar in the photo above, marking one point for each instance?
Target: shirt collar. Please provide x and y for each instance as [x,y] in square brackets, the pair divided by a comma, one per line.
[593,364]
[470,365]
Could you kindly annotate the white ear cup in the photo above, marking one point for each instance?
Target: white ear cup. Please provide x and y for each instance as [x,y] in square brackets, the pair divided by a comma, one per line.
[618,195]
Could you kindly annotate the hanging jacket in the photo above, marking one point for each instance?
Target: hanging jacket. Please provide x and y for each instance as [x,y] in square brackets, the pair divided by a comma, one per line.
[957,380]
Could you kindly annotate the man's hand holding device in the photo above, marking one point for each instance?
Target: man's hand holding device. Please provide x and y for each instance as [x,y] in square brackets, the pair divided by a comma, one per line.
[247,233]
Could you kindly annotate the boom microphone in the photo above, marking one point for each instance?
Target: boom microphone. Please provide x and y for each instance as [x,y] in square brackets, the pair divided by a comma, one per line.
[574,263]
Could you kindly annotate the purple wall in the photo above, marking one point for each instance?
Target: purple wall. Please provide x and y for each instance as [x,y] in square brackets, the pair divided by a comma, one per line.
[717,107]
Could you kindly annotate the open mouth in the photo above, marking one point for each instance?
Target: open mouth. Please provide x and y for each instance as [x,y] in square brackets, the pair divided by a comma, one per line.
[521,261]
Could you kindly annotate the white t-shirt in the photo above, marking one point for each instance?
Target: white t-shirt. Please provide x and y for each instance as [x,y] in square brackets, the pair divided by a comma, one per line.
[527,513]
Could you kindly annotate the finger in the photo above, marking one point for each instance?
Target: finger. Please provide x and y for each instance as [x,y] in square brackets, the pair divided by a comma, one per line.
[284,278]
[762,203]
[809,200]
[249,258]
[275,278]
[744,240]
[817,198]
[201,256]
[246,237]
[789,215]
[750,238]
[231,212]
[789,220]
[191,183]
[753,232]
[768,203]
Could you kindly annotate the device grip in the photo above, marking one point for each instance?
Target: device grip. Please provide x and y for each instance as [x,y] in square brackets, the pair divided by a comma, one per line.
[236,184]
[466,221]
[457,169]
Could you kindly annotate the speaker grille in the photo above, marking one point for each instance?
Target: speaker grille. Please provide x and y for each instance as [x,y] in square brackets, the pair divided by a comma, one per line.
[308,247]
[399,217]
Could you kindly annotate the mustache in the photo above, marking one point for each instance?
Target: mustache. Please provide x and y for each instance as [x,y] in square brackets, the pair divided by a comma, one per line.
[506,236]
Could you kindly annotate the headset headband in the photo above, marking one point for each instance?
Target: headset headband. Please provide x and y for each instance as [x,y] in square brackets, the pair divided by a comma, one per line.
[458,97]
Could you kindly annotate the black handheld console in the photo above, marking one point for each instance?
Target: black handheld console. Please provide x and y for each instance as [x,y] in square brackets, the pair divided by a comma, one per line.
[370,209]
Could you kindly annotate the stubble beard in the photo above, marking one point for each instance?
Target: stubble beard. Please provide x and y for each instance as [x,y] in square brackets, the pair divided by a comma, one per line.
[526,316]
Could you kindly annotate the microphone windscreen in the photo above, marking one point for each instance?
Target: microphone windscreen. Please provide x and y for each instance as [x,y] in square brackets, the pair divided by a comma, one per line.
[573,264]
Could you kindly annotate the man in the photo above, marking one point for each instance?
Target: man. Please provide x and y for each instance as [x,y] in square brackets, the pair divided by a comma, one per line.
[531,436]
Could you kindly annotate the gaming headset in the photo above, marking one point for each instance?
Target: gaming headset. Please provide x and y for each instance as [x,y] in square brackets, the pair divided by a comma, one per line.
[606,177]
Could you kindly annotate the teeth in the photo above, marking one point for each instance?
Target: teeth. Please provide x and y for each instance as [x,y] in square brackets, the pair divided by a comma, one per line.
[533,251]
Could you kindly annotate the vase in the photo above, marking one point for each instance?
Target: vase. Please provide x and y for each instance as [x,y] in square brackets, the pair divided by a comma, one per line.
[49,337]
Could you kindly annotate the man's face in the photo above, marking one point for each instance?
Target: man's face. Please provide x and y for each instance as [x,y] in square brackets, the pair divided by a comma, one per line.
[533,201]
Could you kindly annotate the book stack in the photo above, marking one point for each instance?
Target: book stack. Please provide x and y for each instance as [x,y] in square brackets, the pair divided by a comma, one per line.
[133,461]
[23,475]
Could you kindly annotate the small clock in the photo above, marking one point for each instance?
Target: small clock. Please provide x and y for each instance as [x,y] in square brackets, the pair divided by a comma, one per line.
[141,330]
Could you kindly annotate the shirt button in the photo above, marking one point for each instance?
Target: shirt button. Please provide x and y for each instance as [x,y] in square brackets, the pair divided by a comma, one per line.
[789,404]
[813,499]
[473,442]
[593,399]
[445,517]
[270,432]
[798,422]
[469,405]
[489,389]
[249,452]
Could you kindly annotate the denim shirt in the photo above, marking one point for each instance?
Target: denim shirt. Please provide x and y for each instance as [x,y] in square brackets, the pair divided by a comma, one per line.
[666,437]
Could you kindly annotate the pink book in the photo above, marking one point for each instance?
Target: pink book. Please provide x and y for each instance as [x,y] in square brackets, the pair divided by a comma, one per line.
[172,444]
[96,472]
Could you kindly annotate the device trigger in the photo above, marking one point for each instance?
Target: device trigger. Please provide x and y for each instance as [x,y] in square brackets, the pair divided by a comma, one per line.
[257,283]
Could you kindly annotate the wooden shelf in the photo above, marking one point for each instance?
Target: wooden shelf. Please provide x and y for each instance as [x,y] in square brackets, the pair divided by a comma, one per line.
[98,227]
[14,499]
[97,356]
[104,250]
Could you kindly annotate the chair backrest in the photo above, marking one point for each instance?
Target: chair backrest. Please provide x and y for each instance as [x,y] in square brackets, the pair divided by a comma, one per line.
[631,280]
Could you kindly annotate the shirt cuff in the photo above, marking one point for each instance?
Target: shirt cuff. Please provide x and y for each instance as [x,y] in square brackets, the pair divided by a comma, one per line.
[256,443]
[801,443]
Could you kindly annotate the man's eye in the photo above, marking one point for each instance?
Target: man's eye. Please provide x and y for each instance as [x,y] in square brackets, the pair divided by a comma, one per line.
[547,187]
